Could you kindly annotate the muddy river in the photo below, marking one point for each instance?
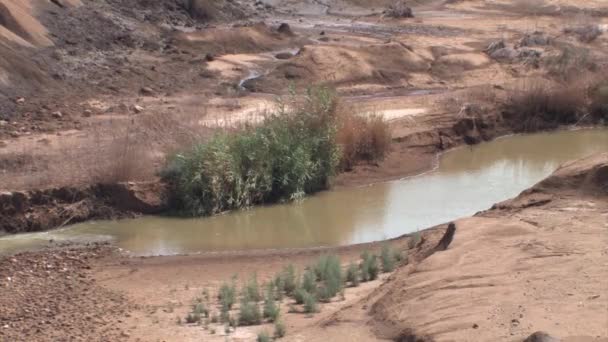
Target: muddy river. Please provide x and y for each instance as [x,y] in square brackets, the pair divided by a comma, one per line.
[467,180]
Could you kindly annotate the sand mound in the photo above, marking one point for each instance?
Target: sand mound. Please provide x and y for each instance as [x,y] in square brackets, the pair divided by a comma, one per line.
[17,16]
[506,276]
[343,65]
[245,39]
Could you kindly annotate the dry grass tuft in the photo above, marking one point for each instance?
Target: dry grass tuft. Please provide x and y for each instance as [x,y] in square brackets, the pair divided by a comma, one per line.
[535,105]
[362,138]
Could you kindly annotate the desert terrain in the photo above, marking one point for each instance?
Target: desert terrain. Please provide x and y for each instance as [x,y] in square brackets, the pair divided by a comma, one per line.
[97,96]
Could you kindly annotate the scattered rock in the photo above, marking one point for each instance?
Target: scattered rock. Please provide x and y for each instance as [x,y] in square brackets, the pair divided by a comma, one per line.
[322,33]
[495,46]
[147,91]
[209,57]
[514,322]
[20,100]
[504,54]
[284,28]
[399,9]
[475,326]
[535,39]
[57,114]
[87,113]
[541,336]
[283,55]
[3,123]
[138,109]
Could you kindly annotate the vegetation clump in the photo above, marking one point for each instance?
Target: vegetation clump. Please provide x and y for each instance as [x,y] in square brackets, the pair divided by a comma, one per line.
[369,267]
[279,329]
[388,259]
[292,153]
[352,275]
[271,310]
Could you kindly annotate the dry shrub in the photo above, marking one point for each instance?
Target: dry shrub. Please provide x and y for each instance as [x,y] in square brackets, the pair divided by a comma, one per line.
[536,105]
[362,138]
[201,9]
[598,93]
[570,62]
[124,148]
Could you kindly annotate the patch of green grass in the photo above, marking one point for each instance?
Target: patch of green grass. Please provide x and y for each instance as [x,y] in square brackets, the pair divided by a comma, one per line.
[193,317]
[309,282]
[329,272]
[286,280]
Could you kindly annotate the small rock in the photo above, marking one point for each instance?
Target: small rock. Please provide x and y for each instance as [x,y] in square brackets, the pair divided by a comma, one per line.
[514,322]
[475,326]
[20,100]
[3,123]
[147,91]
[138,109]
[209,57]
[87,113]
[541,336]
[322,33]
[284,28]
[57,115]
[283,55]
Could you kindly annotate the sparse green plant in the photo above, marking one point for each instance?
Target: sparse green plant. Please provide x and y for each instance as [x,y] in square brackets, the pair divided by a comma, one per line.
[263,337]
[279,329]
[215,318]
[309,283]
[369,267]
[414,240]
[286,280]
[310,303]
[224,314]
[252,290]
[299,294]
[249,313]
[329,272]
[227,295]
[271,310]
[193,317]
[292,153]
[200,309]
[212,331]
[352,274]
[388,259]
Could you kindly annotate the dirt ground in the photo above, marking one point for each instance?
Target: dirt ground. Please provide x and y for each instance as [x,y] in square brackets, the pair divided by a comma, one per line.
[101,91]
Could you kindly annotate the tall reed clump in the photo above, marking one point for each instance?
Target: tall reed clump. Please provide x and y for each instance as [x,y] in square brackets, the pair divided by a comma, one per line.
[292,153]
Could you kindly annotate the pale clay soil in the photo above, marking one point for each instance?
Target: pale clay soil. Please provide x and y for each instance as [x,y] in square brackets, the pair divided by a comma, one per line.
[508,272]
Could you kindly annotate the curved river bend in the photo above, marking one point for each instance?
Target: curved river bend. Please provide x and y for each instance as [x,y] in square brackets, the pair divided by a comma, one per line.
[467,180]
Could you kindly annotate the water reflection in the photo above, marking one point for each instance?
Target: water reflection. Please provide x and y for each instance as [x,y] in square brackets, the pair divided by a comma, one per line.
[467,180]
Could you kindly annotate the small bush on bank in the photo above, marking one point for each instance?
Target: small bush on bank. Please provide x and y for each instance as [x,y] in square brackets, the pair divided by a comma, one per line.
[285,281]
[271,310]
[536,106]
[292,153]
[227,295]
[299,294]
[249,313]
[414,240]
[352,275]
[329,272]
[251,291]
[309,282]
[193,317]
[279,329]
[310,303]
[388,259]
[263,337]
[369,267]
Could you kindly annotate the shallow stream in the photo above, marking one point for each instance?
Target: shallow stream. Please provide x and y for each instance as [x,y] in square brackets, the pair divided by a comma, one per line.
[467,180]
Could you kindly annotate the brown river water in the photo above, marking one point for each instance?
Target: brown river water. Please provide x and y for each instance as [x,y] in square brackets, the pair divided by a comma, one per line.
[466,180]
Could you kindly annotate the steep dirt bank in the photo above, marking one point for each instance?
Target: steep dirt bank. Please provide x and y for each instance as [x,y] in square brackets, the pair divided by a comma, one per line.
[29,211]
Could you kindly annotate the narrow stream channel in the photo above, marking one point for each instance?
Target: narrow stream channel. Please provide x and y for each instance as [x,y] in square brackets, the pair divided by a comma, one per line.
[467,180]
